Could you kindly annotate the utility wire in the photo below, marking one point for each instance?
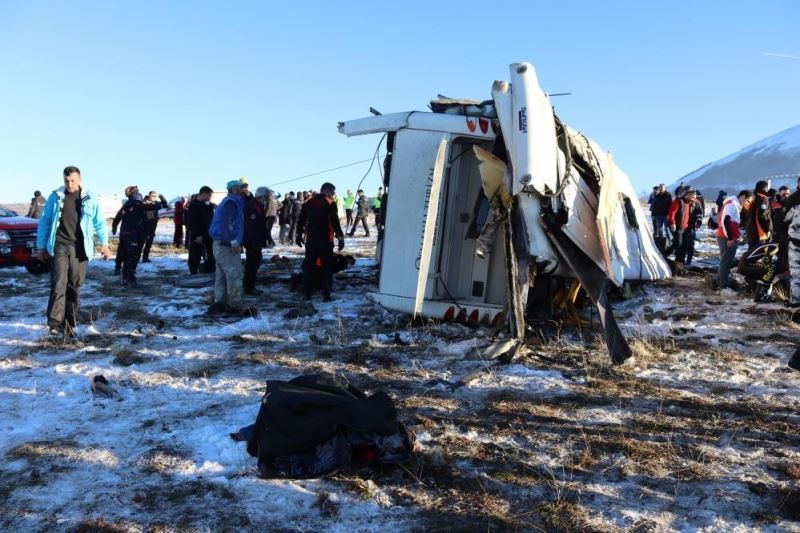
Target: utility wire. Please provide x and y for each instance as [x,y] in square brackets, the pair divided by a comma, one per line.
[325,171]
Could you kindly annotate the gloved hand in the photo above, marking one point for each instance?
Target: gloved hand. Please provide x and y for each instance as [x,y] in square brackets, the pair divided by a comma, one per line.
[341,244]
[299,241]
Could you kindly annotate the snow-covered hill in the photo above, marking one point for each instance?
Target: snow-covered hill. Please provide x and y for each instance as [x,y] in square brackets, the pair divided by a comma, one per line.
[776,158]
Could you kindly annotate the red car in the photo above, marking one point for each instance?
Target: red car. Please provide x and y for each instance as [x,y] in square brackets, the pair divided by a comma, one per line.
[18,241]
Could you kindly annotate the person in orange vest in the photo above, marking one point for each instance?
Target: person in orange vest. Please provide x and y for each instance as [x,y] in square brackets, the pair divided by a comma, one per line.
[316,228]
[759,223]
[679,219]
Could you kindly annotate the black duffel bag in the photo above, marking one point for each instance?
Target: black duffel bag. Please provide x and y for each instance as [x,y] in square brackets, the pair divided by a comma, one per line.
[315,424]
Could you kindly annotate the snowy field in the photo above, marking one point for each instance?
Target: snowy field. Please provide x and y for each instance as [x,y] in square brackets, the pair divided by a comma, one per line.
[702,432]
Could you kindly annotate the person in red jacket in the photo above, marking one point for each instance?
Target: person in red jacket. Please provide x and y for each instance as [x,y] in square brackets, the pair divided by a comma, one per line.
[177,240]
[679,218]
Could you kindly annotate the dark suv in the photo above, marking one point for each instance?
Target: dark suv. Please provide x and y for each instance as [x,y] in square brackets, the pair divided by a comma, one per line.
[18,240]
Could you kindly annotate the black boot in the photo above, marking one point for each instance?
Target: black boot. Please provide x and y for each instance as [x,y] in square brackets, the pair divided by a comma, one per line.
[763,292]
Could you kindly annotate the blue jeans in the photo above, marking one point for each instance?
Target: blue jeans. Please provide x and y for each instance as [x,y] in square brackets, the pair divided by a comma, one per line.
[727,258]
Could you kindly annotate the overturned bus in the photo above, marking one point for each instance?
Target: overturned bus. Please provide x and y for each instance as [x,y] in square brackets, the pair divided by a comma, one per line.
[499,205]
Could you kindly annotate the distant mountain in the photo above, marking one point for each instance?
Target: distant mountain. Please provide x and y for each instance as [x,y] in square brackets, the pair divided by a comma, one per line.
[775,158]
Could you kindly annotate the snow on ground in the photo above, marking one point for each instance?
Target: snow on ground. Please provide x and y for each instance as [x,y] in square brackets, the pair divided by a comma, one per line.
[700,433]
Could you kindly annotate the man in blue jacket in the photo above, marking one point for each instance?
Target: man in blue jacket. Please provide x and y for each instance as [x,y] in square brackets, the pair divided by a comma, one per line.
[70,220]
[227,231]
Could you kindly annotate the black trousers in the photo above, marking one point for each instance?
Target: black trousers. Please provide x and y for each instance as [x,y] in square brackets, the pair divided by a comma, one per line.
[67,274]
[270,223]
[677,246]
[177,239]
[120,258]
[149,236]
[132,244]
[292,230]
[198,251]
[349,214]
[252,260]
[689,237]
[363,221]
[318,250]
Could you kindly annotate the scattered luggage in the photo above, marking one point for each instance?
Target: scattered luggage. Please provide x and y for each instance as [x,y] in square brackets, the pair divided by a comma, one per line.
[314,425]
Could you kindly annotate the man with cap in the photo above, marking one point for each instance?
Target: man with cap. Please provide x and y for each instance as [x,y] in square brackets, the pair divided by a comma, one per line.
[70,220]
[227,231]
[319,223]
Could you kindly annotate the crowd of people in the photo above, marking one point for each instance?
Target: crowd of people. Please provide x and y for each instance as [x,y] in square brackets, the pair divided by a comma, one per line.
[71,223]
[764,219]
[215,237]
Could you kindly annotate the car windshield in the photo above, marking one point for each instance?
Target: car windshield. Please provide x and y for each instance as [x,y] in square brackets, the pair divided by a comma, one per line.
[5,212]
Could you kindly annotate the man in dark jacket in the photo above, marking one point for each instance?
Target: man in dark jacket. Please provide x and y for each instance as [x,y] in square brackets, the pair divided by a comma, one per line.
[362,212]
[792,218]
[255,237]
[198,221]
[285,217]
[759,222]
[151,223]
[120,257]
[294,217]
[659,209]
[37,205]
[319,223]
[695,221]
[177,239]
[133,232]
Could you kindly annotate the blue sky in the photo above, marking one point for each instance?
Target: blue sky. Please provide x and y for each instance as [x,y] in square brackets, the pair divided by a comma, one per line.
[175,95]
